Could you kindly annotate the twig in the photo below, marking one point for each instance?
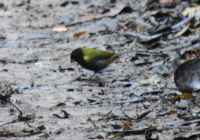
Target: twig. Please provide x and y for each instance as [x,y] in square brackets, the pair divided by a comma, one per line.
[89,119]
[20,112]
[106,116]
[129,118]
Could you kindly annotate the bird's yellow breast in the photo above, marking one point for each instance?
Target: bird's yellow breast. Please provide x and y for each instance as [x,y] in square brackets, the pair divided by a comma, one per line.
[86,58]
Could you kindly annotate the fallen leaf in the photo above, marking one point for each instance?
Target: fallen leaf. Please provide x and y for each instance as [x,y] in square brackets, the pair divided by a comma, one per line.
[190,10]
[127,126]
[166,2]
[172,112]
[182,31]
[185,96]
[59,29]
[192,56]
[41,127]
[79,34]
[116,135]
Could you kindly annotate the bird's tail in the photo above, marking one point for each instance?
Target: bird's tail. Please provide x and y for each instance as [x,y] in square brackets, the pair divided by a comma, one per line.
[115,56]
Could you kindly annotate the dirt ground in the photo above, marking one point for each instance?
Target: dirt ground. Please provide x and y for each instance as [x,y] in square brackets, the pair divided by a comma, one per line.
[57,100]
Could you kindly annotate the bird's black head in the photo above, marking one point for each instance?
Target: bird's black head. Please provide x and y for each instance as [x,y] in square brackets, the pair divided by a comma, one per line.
[76,55]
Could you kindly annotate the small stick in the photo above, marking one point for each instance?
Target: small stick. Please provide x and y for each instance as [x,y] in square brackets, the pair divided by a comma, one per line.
[89,119]
[20,112]
[129,118]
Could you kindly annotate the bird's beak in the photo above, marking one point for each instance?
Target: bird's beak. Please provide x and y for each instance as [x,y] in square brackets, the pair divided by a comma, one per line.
[72,60]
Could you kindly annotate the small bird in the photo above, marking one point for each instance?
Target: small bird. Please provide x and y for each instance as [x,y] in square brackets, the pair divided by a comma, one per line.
[93,59]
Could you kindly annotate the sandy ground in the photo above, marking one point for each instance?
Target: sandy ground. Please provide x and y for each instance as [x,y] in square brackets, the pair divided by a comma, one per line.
[49,84]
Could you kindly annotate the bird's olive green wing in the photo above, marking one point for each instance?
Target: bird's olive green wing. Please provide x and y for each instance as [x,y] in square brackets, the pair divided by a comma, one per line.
[93,55]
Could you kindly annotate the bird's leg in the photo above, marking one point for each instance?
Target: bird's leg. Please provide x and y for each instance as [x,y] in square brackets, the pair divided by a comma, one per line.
[92,75]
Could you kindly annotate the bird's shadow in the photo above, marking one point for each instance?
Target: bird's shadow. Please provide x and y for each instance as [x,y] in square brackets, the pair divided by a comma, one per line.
[96,79]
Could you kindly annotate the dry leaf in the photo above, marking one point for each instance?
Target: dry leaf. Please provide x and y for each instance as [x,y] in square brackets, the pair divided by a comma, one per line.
[193,56]
[182,31]
[172,112]
[90,17]
[79,34]
[190,10]
[127,126]
[166,2]
[59,29]
[185,96]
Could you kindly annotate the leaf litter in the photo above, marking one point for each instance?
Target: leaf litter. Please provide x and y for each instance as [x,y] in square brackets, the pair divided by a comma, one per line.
[137,97]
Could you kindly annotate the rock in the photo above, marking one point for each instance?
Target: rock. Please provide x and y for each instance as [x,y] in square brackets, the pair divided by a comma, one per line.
[67,19]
